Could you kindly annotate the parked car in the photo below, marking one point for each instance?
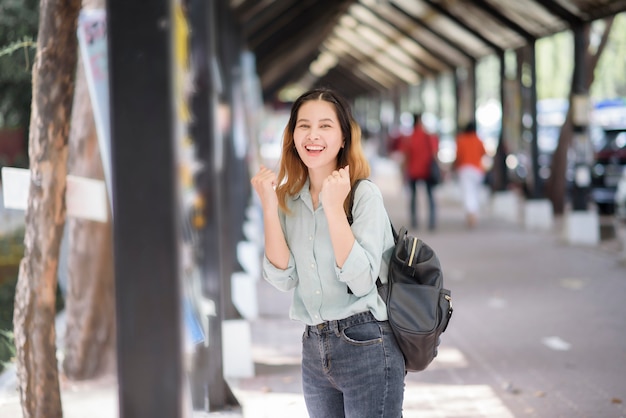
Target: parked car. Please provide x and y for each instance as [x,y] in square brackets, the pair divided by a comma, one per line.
[609,163]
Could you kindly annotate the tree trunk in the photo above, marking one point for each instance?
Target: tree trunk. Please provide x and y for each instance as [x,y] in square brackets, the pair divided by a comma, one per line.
[53,87]
[555,185]
[90,300]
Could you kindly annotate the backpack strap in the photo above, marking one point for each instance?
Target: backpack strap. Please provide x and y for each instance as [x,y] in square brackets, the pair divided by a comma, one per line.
[351,219]
[351,197]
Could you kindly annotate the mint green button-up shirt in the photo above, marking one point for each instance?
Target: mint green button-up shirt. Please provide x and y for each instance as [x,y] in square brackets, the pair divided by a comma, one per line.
[320,287]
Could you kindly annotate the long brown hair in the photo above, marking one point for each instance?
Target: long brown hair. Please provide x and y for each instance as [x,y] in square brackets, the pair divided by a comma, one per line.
[293,173]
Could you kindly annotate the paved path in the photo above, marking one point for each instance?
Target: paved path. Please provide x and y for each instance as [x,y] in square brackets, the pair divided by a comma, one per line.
[538,331]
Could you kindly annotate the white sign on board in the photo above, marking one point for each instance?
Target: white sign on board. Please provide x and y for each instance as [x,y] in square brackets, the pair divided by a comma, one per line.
[85,198]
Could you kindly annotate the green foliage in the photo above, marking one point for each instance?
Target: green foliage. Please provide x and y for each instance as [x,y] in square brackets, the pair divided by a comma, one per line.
[18,27]
[7,296]
[11,249]
[610,75]
[11,253]
[555,65]
[7,348]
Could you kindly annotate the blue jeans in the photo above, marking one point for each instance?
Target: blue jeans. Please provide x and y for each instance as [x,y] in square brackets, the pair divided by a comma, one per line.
[352,368]
[432,216]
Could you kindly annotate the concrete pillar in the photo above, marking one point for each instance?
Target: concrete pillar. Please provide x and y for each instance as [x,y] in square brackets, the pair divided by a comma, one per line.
[538,215]
[505,205]
[582,228]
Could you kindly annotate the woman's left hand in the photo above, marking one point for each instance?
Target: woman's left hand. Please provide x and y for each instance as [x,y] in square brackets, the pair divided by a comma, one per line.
[335,189]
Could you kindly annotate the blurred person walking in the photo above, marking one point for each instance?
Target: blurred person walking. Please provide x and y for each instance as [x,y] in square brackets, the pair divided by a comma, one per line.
[351,363]
[420,153]
[470,170]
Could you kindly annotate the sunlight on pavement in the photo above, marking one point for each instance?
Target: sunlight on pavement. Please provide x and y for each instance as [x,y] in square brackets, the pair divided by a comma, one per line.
[421,400]
[271,356]
[448,357]
[271,405]
[429,401]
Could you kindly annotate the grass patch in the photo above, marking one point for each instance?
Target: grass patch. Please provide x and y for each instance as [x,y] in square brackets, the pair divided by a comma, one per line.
[11,253]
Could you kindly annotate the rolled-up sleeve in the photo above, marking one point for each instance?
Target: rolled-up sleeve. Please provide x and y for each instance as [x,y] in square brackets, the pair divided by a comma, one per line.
[372,234]
[282,279]
[319,285]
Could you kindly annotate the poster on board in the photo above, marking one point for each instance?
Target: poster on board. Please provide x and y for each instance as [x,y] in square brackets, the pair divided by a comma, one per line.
[92,41]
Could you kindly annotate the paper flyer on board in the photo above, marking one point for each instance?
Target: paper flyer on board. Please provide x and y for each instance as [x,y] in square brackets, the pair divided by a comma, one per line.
[92,40]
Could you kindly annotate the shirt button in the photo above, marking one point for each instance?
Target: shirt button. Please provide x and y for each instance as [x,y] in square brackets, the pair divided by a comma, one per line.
[317,292]
[316,316]
[310,237]
[312,265]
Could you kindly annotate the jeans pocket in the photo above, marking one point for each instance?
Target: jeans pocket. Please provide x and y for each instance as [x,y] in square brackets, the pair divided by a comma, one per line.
[363,334]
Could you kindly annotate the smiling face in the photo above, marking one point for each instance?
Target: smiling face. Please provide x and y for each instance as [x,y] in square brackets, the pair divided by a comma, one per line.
[317,136]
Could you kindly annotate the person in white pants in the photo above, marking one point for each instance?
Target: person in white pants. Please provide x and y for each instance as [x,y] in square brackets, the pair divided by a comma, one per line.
[471,173]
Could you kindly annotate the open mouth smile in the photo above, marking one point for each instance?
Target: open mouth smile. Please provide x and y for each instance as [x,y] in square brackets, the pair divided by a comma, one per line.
[314,148]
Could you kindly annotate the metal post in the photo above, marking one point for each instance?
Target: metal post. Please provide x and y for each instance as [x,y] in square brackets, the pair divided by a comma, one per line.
[528,79]
[537,191]
[233,204]
[580,189]
[209,389]
[500,174]
[146,226]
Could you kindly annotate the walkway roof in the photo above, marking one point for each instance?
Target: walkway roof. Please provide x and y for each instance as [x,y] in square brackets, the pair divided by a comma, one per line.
[374,45]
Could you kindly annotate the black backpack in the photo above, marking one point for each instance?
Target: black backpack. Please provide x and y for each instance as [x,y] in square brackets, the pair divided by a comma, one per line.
[418,306]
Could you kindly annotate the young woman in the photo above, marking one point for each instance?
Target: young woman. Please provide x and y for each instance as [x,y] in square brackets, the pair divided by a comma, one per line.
[351,364]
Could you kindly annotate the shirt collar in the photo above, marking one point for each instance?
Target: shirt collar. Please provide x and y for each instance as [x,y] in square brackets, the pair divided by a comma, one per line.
[304,192]
[305,196]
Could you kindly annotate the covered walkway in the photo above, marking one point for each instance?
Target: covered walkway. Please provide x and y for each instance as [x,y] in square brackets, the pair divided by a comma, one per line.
[531,315]
[189,83]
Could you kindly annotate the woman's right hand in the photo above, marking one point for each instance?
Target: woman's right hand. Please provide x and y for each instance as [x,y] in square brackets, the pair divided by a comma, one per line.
[264,183]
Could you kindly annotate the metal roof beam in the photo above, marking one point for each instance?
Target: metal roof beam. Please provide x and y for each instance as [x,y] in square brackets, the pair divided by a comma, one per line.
[558,10]
[487,7]
[267,16]
[288,21]
[364,59]
[351,63]
[608,9]
[361,81]
[282,79]
[430,70]
[442,10]
[439,35]
[404,33]
[249,8]
[283,56]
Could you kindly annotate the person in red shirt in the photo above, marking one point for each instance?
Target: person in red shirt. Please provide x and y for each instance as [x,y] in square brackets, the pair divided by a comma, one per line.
[419,149]
[471,173]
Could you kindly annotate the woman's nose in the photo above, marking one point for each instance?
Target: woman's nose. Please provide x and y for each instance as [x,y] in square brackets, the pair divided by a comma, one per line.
[314,134]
